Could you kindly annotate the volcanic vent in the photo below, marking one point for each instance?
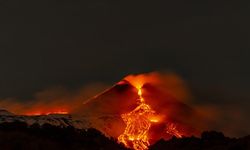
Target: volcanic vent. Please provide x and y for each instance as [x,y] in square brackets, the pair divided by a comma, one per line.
[138,113]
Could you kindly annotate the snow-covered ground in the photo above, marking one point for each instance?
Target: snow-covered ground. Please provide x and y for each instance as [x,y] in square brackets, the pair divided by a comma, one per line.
[53,119]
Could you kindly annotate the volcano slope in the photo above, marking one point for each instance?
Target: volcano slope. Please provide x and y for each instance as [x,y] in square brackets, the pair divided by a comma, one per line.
[106,109]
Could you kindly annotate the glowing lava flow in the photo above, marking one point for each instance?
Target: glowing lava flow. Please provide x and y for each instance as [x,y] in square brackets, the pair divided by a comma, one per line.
[38,113]
[138,124]
[171,130]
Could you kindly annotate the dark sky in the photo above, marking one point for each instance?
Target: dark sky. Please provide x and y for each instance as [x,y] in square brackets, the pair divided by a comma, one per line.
[45,43]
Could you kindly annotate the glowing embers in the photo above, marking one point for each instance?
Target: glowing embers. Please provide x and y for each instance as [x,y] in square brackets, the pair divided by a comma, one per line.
[171,130]
[38,113]
[138,123]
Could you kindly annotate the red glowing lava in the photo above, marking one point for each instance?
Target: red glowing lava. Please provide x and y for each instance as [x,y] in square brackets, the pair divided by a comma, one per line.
[139,121]
[40,112]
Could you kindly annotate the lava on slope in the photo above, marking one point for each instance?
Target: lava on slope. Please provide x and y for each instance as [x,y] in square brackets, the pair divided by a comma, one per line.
[138,113]
[48,112]
[138,123]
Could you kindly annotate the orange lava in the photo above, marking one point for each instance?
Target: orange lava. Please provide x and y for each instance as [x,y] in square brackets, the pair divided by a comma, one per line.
[138,123]
[37,113]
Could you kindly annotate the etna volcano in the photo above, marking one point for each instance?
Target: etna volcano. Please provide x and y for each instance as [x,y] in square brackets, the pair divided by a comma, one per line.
[139,113]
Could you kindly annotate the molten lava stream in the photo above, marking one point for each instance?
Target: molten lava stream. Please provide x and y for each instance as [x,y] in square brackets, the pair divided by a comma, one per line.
[138,124]
[38,113]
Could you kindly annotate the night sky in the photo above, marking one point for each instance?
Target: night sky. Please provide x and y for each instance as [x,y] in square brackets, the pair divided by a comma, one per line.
[46,43]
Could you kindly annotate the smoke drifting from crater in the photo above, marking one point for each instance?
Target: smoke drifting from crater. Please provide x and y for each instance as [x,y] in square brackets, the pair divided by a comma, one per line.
[167,82]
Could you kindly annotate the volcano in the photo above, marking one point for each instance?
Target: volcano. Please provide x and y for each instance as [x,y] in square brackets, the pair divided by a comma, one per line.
[135,111]
[156,114]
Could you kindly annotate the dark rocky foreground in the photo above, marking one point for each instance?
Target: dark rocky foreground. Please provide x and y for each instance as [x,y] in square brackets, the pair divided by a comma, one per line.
[20,136]
[209,141]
